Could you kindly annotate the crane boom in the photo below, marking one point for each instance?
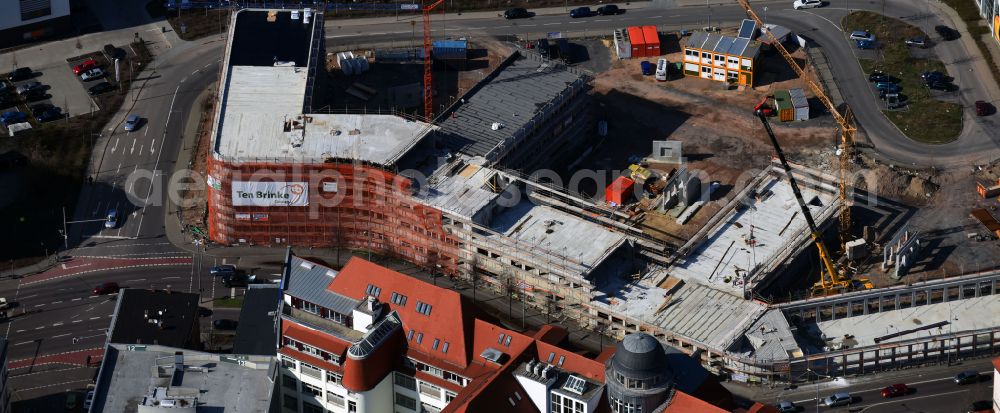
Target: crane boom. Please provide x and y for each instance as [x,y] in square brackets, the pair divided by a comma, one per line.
[835,280]
[845,121]
[428,63]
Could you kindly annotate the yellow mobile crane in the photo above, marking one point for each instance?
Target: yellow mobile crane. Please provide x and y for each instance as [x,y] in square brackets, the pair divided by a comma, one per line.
[845,122]
[830,280]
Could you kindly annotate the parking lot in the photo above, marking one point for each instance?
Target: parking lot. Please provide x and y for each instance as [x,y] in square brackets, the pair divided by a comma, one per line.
[59,87]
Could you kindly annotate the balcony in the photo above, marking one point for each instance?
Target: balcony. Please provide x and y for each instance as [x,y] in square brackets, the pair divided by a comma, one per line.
[326,325]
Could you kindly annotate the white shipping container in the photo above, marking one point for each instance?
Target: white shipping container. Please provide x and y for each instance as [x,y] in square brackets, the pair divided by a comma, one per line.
[622,46]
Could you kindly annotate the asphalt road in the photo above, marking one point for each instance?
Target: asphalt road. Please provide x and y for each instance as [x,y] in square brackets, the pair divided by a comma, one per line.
[977,144]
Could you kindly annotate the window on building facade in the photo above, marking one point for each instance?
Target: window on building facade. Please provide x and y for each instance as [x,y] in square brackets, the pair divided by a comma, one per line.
[310,371]
[430,390]
[288,363]
[309,307]
[563,404]
[619,406]
[33,9]
[289,382]
[372,290]
[352,406]
[398,299]
[445,348]
[449,396]
[333,377]
[290,402]
[311,408]
[454,378]
[405,381]
[335,399]
[437,342]
[310,389]
[406,401]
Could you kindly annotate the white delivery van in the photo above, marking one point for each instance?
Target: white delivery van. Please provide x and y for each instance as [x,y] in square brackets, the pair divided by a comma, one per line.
[661,70]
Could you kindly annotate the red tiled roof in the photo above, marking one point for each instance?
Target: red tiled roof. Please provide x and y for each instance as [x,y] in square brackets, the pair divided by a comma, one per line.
[686,403]
[762,408]
[314,338]
[551,334]
[711,391]
[576,363]
[449,320]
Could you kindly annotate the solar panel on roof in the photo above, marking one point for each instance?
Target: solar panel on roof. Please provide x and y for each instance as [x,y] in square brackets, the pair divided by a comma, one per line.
[747,29]
[575,384]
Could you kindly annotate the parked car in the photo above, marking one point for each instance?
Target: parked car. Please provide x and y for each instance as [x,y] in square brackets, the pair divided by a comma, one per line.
[967,377]
[103,87]
[661,70]
[220,270]
[35,95]
[29,86]
[647,68]
[898,389]
[947,33]
[37,109]
[919,41]
[878,76]
[865,44]
[983,108]
[12,117]
[580,12]
[72,401]
[837,399]
[932,76]
[85,66]
[516,13]
[106,288]
[939,85]
[786,406]
[114,52]
[235,280]
[20,73]
[132,123]
[862,35]
[89,400]
[608,10]
[224,324]
[889,87]
[981,406]
[92,74]
[7,101]
[806,4]
[50,115]
[111,219]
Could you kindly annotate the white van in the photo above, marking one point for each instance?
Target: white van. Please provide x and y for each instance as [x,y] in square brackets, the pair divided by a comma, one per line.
[661,70]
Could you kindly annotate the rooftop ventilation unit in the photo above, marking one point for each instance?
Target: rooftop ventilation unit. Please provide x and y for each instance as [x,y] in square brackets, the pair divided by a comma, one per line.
[295,14]
[307,14]
[496,126]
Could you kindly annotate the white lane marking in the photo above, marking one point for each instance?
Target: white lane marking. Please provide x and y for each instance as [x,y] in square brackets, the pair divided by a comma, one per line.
[157,164]
[39,327]
[61,335]
[550,24]
[118,170]
[21,331]
[145,133]
[56,302]
[602,20]
[655,17]
[529,25]
[575,22]
[94,318]
[29,296]
[77,321]
[135,280]
[94,296]
[40,305]
[114,148]
[196,71]
[170,278]
[57,324]
[25,342]
[133,146]
[77,299]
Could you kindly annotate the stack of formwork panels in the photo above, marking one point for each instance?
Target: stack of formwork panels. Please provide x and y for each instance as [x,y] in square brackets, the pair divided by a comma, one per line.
[622,45]
[637,40]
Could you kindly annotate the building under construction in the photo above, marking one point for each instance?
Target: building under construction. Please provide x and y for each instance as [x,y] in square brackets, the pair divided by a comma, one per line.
[450,195]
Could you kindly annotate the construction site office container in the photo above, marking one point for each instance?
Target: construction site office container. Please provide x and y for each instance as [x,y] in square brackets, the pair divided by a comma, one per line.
[623,48]
[986,190]
[986,218]
[449,49]
[783,104]
[637,40]
[652,39]
[619,191]
[800,103]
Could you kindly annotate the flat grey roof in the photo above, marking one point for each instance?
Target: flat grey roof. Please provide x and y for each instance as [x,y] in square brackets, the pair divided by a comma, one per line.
[308,281]
[129,376]
[257,331]
[581,243]
[156,317]
[462,193]
[512,98]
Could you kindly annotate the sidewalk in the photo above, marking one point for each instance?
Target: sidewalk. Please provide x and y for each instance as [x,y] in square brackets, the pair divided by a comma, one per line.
[951,17]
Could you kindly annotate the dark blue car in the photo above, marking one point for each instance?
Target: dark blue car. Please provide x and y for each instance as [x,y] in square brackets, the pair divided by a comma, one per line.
[8,118]
[865,44]
[580,12]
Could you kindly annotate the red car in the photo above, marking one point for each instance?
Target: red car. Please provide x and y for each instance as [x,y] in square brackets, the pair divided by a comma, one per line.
[897,389]
[106,288]
[85,66]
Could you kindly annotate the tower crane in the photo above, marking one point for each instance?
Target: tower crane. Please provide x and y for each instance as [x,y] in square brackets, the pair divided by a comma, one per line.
[428,63]
[830,280]
[845,122]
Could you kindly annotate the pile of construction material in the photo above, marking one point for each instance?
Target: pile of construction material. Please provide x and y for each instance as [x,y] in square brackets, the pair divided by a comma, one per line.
[637,41]
[351,64]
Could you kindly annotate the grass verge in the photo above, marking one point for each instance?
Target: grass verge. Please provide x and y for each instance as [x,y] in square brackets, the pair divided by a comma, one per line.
[925,119]
[229,302]
[55,156]
[969,12]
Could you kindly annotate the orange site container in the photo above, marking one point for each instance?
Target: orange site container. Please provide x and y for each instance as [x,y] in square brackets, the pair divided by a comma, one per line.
[637,40]
[986,218]
[619,191]
[652,39]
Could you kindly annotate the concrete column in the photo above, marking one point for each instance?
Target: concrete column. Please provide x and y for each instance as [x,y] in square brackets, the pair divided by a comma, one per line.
[896,296]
